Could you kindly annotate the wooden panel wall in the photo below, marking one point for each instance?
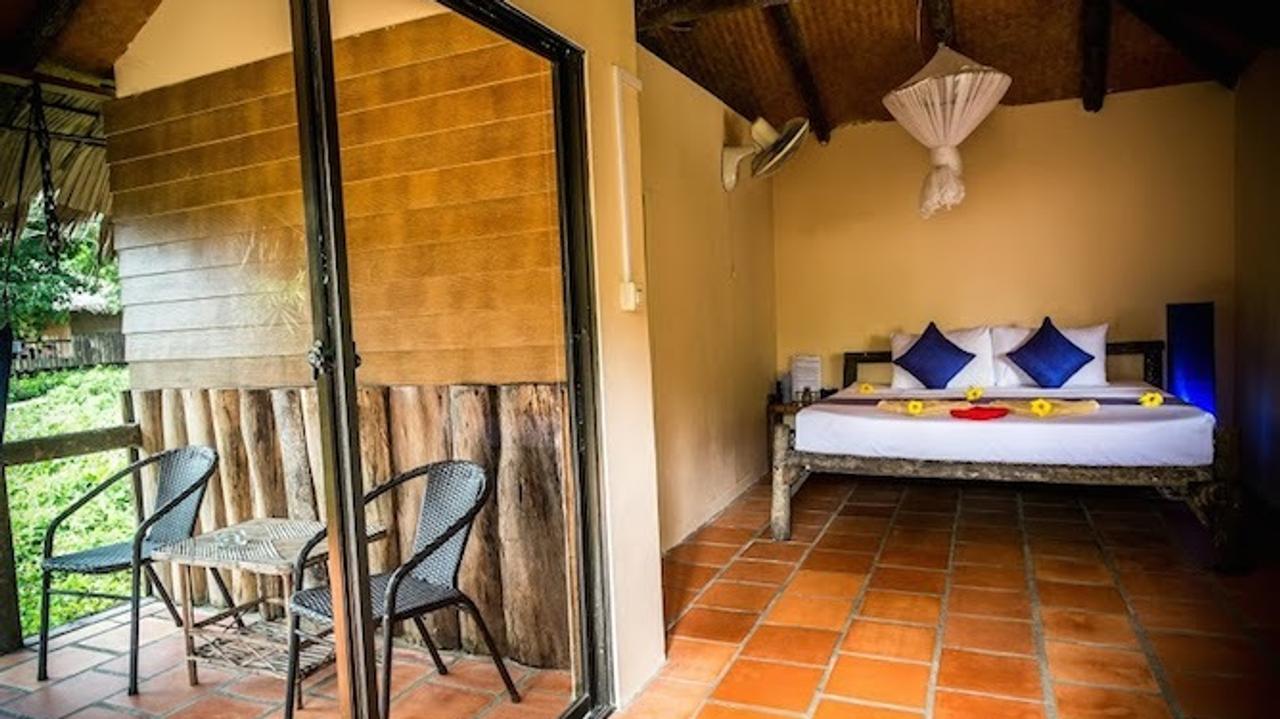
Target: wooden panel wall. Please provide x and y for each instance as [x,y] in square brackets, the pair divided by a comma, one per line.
[516,563]
[448,169]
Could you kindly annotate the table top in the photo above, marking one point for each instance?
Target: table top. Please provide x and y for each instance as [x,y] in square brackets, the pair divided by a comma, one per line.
[262,546]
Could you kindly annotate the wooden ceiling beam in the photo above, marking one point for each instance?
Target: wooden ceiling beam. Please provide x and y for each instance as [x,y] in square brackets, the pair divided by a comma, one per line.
[35,39]
[942,21]
[1095,46]
[787,34]
[1187,37]
[658,14]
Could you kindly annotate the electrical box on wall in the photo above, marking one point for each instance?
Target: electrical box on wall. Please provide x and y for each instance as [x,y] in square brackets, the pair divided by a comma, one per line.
[631,297]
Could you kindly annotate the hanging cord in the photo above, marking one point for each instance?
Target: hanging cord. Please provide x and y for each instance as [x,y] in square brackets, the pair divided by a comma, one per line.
[52,227]
[15,229]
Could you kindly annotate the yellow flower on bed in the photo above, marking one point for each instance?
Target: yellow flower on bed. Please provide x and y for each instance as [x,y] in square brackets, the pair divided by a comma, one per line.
[1041,407]
[915,407]
[973,394]
[866,388]
[1151,399]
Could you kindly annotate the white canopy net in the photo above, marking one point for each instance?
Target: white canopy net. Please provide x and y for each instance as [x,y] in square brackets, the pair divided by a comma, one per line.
[940,105]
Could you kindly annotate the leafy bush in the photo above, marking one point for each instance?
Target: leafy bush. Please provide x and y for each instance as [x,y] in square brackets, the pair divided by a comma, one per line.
[35,385]
[74,400]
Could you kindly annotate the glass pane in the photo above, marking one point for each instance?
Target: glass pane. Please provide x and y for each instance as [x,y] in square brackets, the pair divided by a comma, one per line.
[447,142]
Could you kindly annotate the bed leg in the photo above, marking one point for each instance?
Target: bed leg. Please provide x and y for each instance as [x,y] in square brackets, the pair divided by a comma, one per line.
[780,516]
[1220,506]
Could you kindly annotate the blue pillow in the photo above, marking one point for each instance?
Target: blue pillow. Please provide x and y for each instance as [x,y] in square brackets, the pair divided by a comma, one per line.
[934,359]
[1049,357]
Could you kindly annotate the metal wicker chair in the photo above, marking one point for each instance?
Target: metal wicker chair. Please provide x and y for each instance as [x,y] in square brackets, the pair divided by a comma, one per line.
[183,474]
[428,581]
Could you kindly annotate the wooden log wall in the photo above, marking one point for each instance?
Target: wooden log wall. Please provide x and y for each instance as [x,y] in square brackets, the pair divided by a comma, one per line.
[516,564]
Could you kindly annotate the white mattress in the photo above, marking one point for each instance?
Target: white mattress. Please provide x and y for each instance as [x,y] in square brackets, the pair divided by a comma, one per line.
[1115,435]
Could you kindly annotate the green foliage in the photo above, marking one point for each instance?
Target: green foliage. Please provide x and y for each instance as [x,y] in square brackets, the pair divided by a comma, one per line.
[40,284]
[74,400]
[35,385]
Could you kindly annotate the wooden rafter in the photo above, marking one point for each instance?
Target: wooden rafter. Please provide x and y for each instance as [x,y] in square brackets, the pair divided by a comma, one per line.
[1095,46]
[1167,20]
[656,14]
[38,35]
[942,21]
[788,36]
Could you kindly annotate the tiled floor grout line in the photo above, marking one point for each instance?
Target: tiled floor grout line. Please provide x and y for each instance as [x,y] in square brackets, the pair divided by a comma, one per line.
[1140,631]
[858,600]
[1037,620]
[781,589]
[931,697]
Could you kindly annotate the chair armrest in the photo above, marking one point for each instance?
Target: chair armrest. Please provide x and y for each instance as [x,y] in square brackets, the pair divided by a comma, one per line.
[395,481]
[300,565]
[86,498]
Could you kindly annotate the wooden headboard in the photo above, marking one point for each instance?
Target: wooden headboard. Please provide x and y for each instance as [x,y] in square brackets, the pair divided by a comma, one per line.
[1152,352]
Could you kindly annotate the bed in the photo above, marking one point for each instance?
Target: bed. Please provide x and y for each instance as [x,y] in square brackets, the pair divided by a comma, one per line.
[1175,448]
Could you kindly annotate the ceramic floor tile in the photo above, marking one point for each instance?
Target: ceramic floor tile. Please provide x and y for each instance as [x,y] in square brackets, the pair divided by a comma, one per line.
[896,641]
[715,555]
[791,644]
[1102,666]
[989,602]
[737,595]
[988,673]
[1081,702]
[879,680]
[840,709]
[768,684]
[996,635]
[839,585]
[1089,627]
[909,580]
[1081,596]
[714,624]
[775,551]
[957,705]
[916,608]
[812,612]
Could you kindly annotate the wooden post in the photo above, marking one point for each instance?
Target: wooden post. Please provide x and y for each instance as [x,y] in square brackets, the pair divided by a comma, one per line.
[147,407]
[419,423]
[213,513]
[237,492]
[375,467]
[780,517]
[174,429]
[10,619]
[531,524]
[315,459]
[299,490]
[257,427]
[474,426]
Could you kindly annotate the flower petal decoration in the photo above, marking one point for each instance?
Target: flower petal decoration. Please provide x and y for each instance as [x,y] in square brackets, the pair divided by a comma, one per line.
[866,388]
[974,393]
[1151,400]
[915,407]
[1041,407]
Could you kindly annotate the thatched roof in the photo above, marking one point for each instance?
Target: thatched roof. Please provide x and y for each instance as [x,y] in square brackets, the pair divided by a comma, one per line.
[69,47]
[77,149]
[832,60]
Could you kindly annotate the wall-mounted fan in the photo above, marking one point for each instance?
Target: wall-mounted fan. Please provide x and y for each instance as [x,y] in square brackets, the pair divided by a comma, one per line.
[770,148]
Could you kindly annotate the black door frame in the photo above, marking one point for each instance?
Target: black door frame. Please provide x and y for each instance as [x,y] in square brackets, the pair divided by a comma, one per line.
[335,359]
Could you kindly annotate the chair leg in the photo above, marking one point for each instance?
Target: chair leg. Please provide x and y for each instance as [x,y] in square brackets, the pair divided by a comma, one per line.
[385,704]
[42,660]
[164,595]
[291,680]
[493,648]
[135,614]
[431,646]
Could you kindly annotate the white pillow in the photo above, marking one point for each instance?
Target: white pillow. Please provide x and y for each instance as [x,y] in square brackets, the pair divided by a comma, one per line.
[1091,339]
[980,371]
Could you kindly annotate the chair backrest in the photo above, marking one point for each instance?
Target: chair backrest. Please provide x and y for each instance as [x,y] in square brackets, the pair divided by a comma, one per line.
[456,491]
[177,470]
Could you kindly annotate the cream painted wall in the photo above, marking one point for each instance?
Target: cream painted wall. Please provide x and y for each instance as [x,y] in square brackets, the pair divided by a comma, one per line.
[1085,217]
[189,38]
[711,318]
[605,29]
[1257,266]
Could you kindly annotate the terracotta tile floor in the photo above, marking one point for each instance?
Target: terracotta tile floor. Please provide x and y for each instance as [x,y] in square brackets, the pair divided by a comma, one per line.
[88,670]
[904,600]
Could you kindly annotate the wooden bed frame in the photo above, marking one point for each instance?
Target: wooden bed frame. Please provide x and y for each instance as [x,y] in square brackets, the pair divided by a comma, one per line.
[1209,491]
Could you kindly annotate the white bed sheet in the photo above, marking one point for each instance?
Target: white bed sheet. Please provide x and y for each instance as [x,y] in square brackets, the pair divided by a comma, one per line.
[1115,436]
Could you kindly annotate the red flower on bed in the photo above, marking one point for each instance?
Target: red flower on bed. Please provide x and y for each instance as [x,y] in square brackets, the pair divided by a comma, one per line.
[979,413]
